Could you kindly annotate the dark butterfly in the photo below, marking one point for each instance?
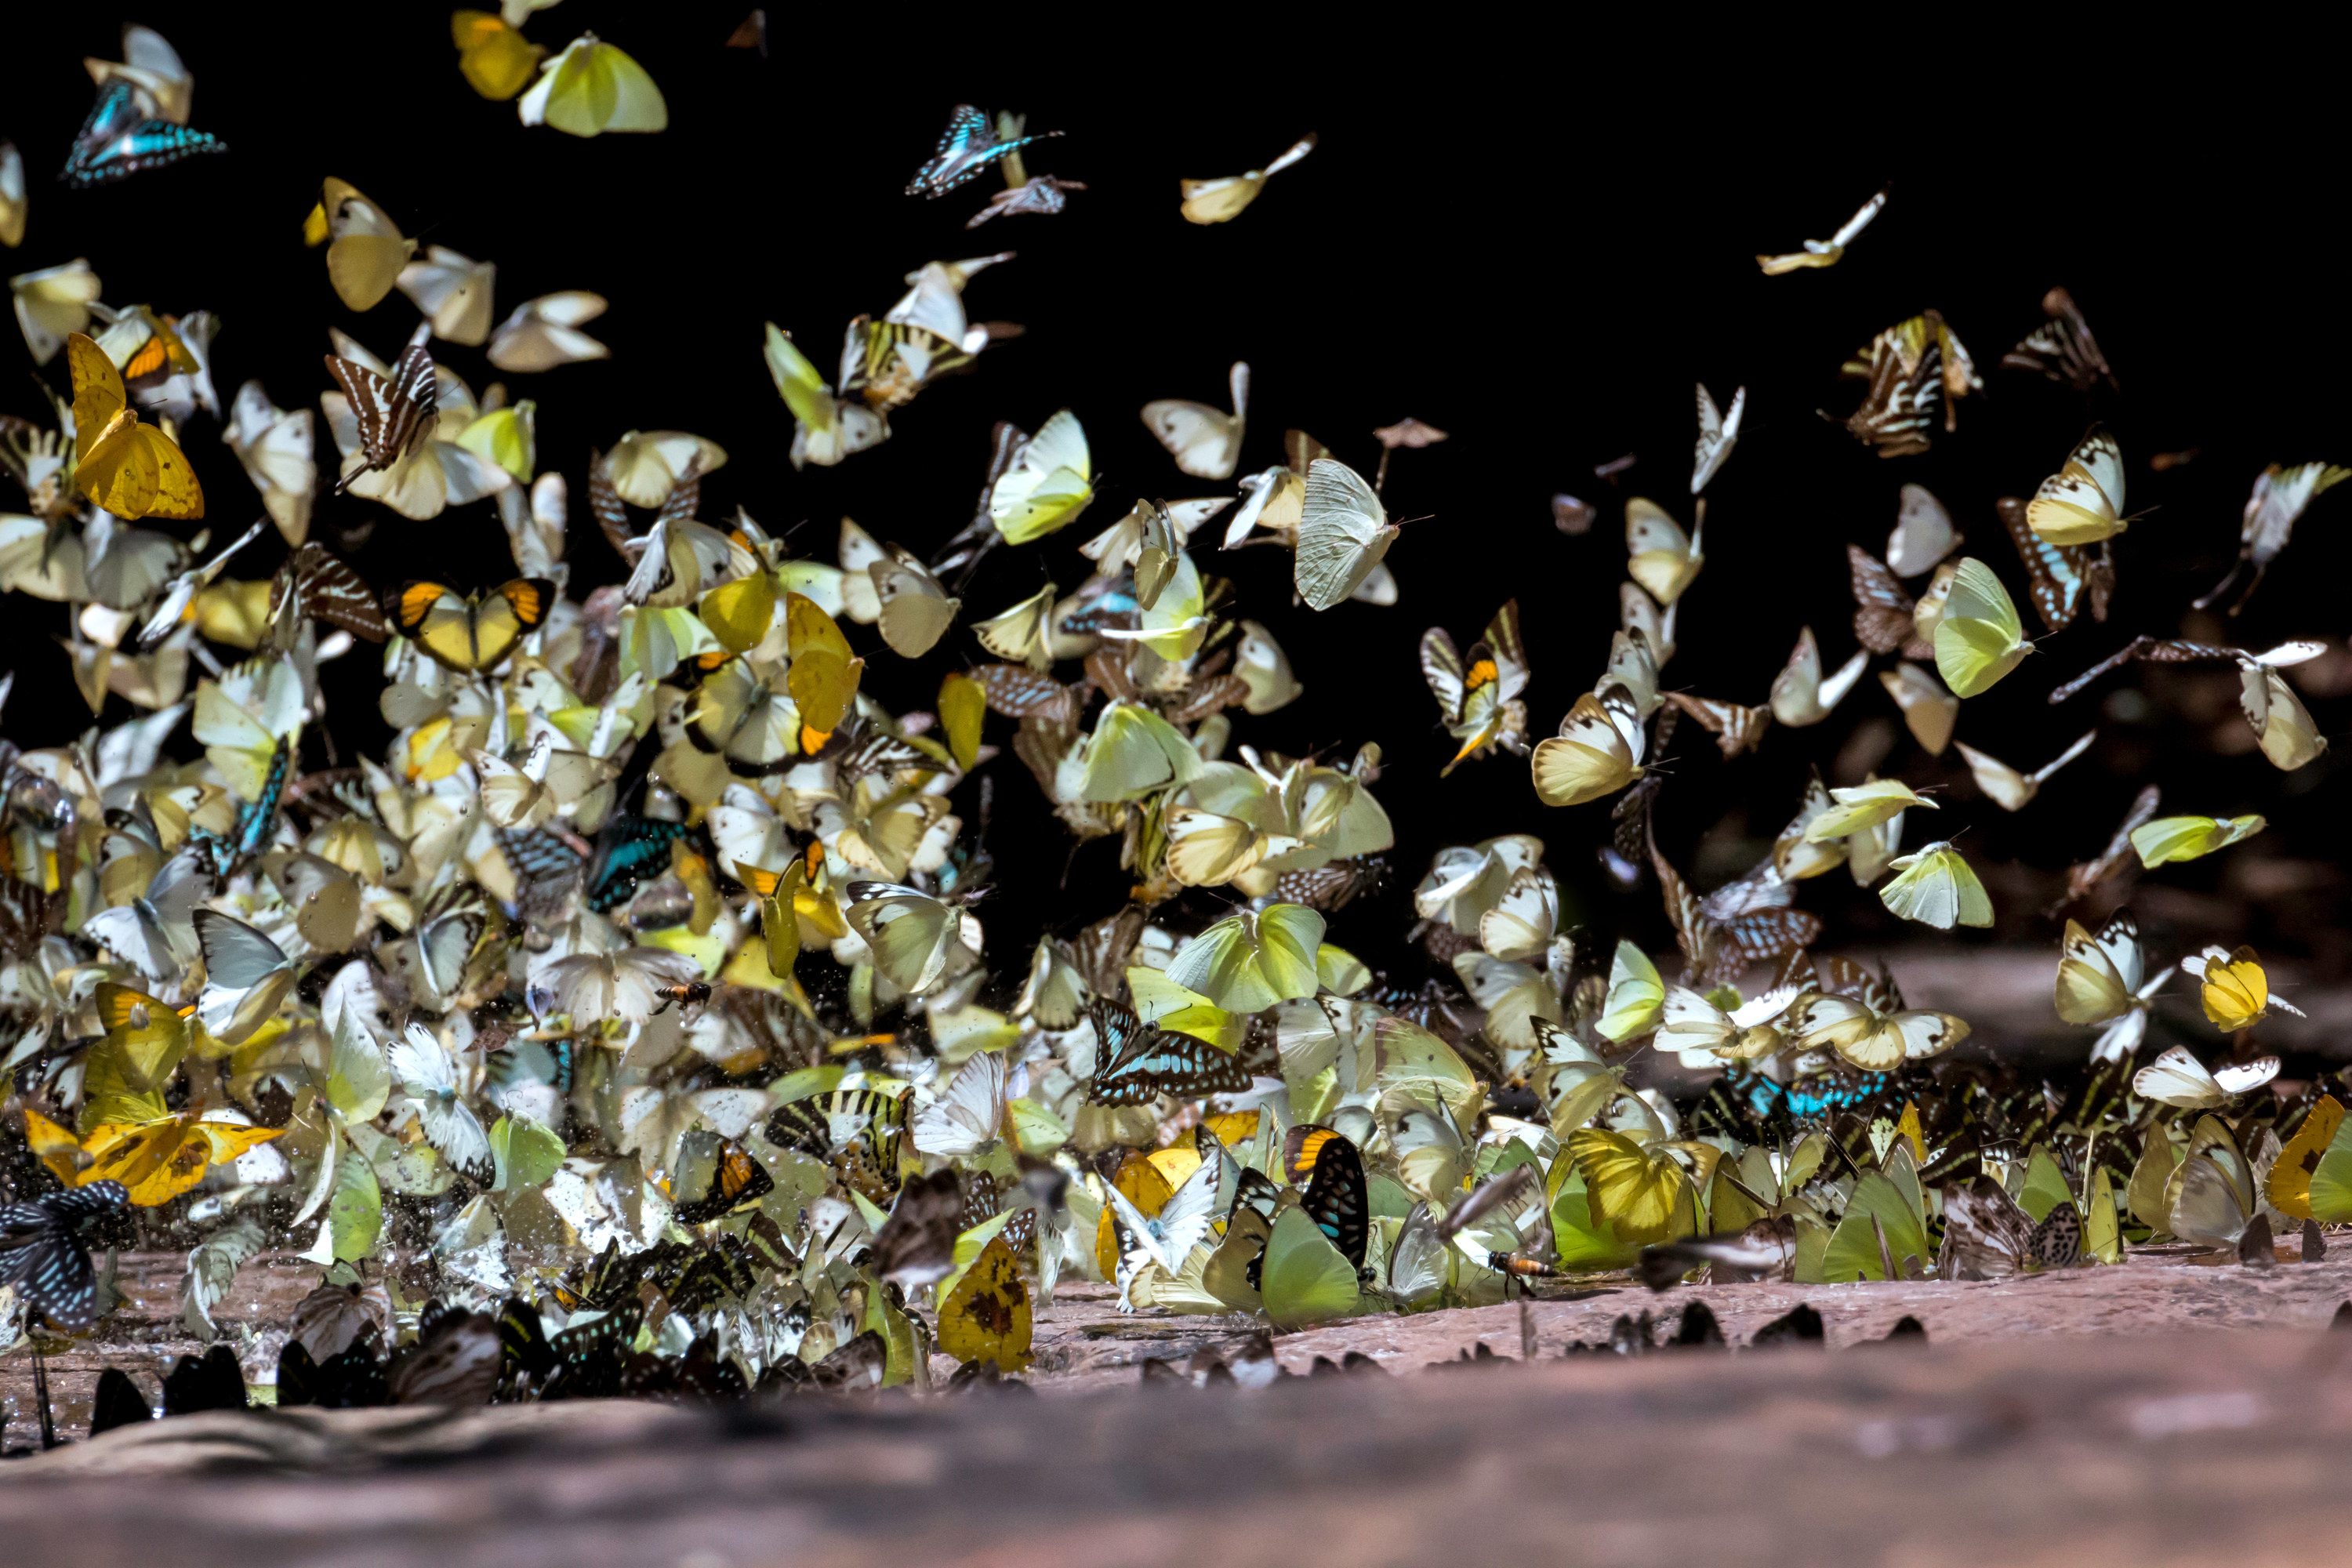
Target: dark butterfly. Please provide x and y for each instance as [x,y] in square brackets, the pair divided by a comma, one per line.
[316,584]
[2062,576]
[545,867]
[1137,1062]
[1019,692]
[1910,366]
[119,139]
[916,1245]
[967,147]
[2179,650]
[456,1361]
[702,1280]
[1987,1235]
[831,1125]
[215,1383]
[116,1402]
[589,1359]
[2084,875]
[27,915]
[983,1203]
[2063,347]
[42,1254]
[715,1175]
[1882,610]
[856,1365]
[523,1343]
[702,1375]
[1334,1198]
[394,414]
[1736,727]
[1334,885]
[352,1379]
[629,849]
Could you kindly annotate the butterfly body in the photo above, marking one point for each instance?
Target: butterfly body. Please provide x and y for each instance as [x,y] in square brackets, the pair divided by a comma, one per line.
[1141,1063]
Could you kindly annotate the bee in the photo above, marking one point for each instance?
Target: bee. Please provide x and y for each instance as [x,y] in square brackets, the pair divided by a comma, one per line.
[686,993]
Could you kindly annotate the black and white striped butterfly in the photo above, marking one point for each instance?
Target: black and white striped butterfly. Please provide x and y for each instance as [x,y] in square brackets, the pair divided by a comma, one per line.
[967,147]
[1138,1063]
[2062,348]
[2064,577]
[43,1258]
[315,584]
[394,414]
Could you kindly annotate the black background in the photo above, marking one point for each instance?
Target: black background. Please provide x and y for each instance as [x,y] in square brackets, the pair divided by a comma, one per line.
[1536,250]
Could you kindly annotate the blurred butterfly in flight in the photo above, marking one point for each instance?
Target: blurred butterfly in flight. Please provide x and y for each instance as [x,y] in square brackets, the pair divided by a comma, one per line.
[966,148]
[121,138]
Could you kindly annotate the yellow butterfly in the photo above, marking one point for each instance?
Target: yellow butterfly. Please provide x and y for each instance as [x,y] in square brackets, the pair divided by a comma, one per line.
[2170,838]
[987,1315]
[1221,200]
[1598,750]
[1869,1039]
[2290,1186]
[825,428]
[1979,639]
[128,469]
[1049,483]
[1635,1188]
[592,88]
[2081,502]
[157,1160]
[496,59]
[1929,711]
[1938,888]
[1664,560]
[2235,991]
[474,632]
[365,249]
[1863,806]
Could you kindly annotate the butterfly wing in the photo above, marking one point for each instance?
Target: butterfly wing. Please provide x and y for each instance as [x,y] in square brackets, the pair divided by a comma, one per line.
[2082,503]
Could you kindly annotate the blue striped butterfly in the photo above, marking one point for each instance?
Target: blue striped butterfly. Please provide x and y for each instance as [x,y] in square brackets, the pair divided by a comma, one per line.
[120,139]
[43,1258]
[544,865]
[257,819]
[967,147]
[1335,1200]
[629,850]
[2063,576]
[1140,1062]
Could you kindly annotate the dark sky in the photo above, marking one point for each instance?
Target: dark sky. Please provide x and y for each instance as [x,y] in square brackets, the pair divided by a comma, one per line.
[1536,250]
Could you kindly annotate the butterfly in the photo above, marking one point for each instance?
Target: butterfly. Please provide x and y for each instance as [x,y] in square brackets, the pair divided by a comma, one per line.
[987,1318]
[2280,495]
[1884,614]
[1906,370]
[1861,806]
[2100,981]
[126,134]
[247,976]
[474,632]
[128,469]
[1047,484]
[1343,534]
[968,1118]
[1222,200]
[1988,1237]
[456,1361]
[1168,1236]
[1937,887]
[744,715]
[588,1356]
[967,147]
[44,1259]
[2169,838]
[1335,1196]
[425,1072]
[2177,1077]
[1718,432]
[2010,790]
[2063,576]
[2082,502]
[2063,347]
[313,583]
[855,1130]
[395,414]
[592,88]
[715,1175]
[1929,711]
[2174,650]
[275,448]
[1800,694]
[12,195]
[365,249]
[1978,640]
[1040,193]
[431,961]
[153,929]
[453,291]
[1138,1062]
[1867,1038]
[2084,875]
[1480,703]
[1736,727]
[2234,990]
[627,984]
[1827,252]
[825,428]
[1598,750]
[916,1245]
[1205,443]
[539,334]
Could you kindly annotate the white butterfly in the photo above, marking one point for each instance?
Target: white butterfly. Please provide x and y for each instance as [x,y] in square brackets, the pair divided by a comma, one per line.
[1827,252]
[453,290]
[429,1077]
[1205,443]
[2177,1077]
[2010,789]
[1706,1035]
[1800,696]
[1923,533]
[545,332]
[1868,1039]
[2082,502]
[154,932]
[1718,432]
[1168,1237]
[968,1118]
[1343,532]
[589,987]
[275,448]
[247,975]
